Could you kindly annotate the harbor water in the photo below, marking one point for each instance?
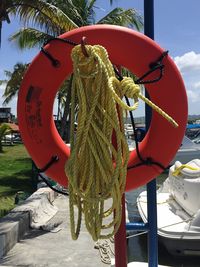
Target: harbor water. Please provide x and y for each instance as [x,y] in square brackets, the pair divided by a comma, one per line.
[137,245]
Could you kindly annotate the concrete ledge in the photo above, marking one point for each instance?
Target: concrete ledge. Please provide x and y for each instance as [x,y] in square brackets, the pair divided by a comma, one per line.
[15,224]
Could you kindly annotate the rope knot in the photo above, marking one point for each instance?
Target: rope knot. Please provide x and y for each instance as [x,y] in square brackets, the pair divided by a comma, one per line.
[124,87]
[129,88]
[91,65]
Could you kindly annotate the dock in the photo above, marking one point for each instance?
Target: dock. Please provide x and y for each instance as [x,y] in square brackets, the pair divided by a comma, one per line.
[49,245]
[37,234]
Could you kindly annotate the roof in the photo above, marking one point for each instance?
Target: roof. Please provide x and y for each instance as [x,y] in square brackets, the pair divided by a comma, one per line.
[13,126]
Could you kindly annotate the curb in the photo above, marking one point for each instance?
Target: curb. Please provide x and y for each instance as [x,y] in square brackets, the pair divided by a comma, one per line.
[15,224]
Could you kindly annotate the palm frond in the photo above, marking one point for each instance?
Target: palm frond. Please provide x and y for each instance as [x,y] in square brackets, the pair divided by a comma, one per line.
[119,16]
[29,38]
[14,82]
[80,11]
[4,4]
[91,12]
[42,15]
[8,73]
[9,98]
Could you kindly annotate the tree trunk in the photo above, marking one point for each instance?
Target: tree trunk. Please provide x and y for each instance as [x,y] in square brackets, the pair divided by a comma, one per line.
[65,125]
[1,147]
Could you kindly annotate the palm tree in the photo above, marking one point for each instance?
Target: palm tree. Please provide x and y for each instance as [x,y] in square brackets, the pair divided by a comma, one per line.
[4,4]
[13,81]
[4,129]
[47,19]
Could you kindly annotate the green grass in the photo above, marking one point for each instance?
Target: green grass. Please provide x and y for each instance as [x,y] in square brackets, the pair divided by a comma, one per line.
[15,175]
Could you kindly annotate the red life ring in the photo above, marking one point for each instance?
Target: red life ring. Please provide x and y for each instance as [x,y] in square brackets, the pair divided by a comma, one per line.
[126,48]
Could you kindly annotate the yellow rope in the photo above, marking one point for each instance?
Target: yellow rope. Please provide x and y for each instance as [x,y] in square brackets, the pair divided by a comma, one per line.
[132,90]
[179,169]
[94,181]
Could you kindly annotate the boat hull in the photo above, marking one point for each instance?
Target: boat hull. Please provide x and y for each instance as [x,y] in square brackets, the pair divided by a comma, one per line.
[175,230]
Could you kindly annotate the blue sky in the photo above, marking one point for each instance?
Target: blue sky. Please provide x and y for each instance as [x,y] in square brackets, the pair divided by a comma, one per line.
[177,29]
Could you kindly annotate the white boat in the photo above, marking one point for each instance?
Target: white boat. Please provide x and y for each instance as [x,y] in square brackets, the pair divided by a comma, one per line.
[178,209]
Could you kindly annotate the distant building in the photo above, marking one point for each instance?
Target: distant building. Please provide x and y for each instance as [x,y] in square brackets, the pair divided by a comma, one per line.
[6,115]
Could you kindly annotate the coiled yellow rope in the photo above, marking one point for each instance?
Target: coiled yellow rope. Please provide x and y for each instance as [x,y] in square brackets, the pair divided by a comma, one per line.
[93,177]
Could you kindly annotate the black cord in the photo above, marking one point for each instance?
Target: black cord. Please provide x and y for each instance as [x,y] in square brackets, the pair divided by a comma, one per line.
[53,160]
[54,61]
[148,161]
[52,187]
[64,40]
[157,65]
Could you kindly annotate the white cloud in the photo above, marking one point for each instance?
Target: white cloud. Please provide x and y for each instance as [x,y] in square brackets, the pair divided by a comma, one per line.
[189,66]
[197,85]
[194,96]
[2,88]
[12,104]
[188,62]
[1,72]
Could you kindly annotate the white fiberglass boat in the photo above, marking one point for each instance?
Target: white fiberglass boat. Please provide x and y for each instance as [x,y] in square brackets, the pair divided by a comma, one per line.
[178,209]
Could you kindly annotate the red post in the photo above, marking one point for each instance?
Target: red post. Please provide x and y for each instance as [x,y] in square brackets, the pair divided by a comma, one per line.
[120,236]
[120,240]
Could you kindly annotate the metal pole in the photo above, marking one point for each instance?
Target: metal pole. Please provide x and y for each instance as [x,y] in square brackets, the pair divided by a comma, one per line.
[149,18]
[151,186]
[152,223]
[148,31]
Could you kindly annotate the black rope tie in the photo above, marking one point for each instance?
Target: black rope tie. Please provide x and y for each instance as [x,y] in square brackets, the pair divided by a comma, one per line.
[148,161]
[64,40]
[53,160]
[55,62]
[157,65]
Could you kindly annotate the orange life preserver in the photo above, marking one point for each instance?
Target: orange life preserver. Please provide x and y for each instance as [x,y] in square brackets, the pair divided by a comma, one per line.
[126,48]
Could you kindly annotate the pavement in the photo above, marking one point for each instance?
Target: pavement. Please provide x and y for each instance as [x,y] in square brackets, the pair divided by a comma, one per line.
[49,243]
[37,234]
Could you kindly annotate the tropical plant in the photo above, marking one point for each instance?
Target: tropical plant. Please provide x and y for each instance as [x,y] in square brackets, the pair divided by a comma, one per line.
[46,19]
[13,81]
[4,130]
[4,5]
